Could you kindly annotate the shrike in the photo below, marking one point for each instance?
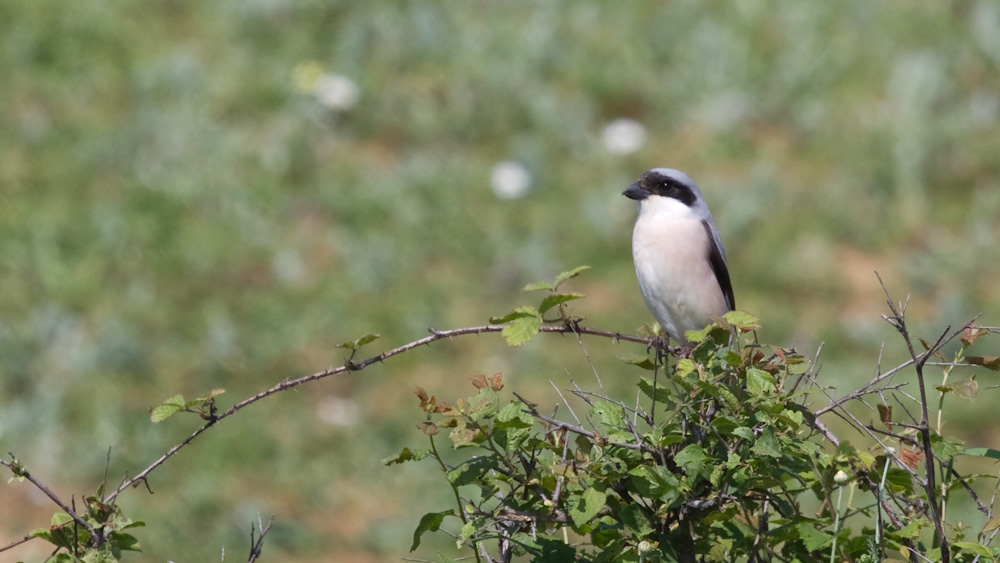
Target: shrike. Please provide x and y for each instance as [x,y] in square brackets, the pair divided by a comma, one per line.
[678,255]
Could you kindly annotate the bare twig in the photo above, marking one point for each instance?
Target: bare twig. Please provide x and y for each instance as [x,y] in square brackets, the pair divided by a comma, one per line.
[257,545]
[898,321]
[351,366]
[22,471]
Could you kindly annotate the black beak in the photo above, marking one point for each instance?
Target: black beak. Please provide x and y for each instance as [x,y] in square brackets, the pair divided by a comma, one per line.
[636,192]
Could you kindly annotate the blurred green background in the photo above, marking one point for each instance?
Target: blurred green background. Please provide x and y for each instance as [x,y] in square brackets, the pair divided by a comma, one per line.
[213,194]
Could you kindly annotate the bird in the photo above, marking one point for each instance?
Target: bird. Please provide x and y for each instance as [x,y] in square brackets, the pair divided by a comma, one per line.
[679,258]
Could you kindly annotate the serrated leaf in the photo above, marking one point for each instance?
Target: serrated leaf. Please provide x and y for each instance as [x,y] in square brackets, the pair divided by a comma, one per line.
[767,444]
[635,518]
[468,529]
[685,366]
[568,275]
[430,522]
[521,330]
[912,529]
[484,404]
[514,412]
[539,286]
[812,538]
[967,389]
[168,408]
[585,506]
[358,343]
[471,470]
[867,459]
[973,547]
[211,395]
[611,414]
[983,452]
[692,458]
[662,394]
[522,324]
[645,362]
[406,455]
[988,362]
[742,321]
[551,301]
[696,336]
[759,382]
[462,436]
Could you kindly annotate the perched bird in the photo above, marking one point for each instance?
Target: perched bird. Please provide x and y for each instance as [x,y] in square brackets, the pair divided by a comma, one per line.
[678,255]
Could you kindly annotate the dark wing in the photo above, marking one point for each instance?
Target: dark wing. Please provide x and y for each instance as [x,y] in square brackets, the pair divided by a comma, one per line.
[718,263]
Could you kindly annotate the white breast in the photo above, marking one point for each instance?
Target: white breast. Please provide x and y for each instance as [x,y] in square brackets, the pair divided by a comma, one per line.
[670,248]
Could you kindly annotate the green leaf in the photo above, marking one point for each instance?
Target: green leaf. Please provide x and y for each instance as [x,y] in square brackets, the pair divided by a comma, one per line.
[973,547]
[406,455]
[653,481]
[430,522]
[585,506]
[551,301]
[568,275]
[472,470]
[759,382]
[743,322]
[168,408]
[946,447]
[126,542]
[812,538]
[611,414]
[358,343]
[662,394]
[60,518]
[468,529]
[484,404]
[636,519]
[522,324]
[767,444]
[514,413]
[899,480]
[211,395]
[645,362]
[539,286]
[685,366]
[911,530]
[982,452]
[696,336]
[692,458]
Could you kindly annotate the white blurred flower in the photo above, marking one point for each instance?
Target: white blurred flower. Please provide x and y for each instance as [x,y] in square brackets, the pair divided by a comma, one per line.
[510,180]
[623,136]
[337,411]
[336,91]
[840,478]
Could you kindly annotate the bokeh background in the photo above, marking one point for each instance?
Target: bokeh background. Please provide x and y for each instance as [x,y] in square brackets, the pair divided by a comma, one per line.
[214,194]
